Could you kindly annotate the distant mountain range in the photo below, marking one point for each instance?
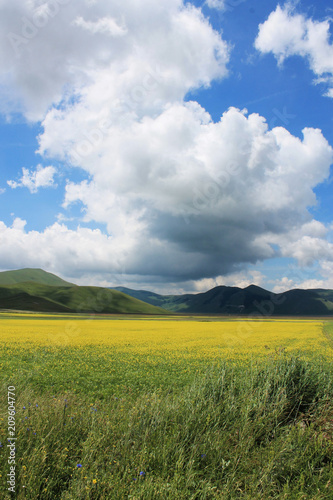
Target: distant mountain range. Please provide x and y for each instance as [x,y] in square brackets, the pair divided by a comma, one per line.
[237,301]
[37,290]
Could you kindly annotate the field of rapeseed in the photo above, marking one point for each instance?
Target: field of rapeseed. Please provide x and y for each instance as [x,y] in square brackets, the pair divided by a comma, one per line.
[188,408]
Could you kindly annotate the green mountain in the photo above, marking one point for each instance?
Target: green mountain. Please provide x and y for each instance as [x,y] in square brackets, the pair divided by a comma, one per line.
[252,300]
[32,296]
[37,290]
[35,275]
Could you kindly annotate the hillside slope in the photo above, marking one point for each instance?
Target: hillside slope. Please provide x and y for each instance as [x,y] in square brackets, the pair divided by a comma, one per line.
[76,299]
[252,300]
[37,290]
[34,275]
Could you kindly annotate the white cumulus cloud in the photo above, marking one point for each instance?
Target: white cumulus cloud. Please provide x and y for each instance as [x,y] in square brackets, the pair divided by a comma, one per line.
[108,48]
[42,177]
[104,25]
[207,197]
[286,33]
[241,280]
[320,276]
[216,4]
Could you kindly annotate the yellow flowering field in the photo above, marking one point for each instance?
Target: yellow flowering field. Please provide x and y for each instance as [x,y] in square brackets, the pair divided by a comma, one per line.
[199,337]
[167,407]
[103,355]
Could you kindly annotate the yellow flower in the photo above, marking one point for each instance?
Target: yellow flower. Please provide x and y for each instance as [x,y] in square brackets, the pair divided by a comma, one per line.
[94,481]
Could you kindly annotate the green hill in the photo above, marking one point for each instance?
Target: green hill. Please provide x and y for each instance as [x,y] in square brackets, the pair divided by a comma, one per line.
[71,299]
[252,300]
[37,290]
[34,275]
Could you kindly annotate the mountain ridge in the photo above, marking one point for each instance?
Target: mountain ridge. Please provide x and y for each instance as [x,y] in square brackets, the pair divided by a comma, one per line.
[26,290]
[36,275]
[38,297]
[252,300]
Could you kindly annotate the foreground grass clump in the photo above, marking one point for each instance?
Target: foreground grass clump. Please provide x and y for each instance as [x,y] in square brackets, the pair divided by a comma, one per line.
[256,431]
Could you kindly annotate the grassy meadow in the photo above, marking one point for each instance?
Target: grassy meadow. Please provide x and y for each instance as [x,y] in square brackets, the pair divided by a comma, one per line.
[168,407]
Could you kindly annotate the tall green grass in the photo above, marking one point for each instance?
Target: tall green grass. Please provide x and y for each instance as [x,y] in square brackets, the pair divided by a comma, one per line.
[255,431]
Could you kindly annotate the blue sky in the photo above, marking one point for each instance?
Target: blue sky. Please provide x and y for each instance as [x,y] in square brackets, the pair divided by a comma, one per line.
[175,147]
